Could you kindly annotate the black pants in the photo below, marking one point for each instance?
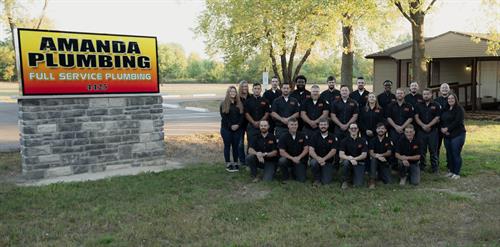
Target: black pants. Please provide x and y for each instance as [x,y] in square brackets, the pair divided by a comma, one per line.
[382,168]
[252,132]
[430,143]
[268,166]
[231,140]
[322,173]
[412,171]
[298,170]
[352,173]
[340,135]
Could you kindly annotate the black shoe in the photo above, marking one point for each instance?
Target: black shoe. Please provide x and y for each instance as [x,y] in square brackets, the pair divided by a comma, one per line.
[229,168]
[236,167]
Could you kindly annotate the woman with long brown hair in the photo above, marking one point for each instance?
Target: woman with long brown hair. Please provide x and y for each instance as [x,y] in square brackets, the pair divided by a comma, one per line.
[370,115]
[231,111]
[243,95]
[453,129]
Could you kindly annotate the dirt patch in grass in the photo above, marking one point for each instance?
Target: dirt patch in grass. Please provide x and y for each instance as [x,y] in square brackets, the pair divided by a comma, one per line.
[198,148]
[10,166]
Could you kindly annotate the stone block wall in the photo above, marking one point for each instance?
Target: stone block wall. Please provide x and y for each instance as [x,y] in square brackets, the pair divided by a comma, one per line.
[64,136]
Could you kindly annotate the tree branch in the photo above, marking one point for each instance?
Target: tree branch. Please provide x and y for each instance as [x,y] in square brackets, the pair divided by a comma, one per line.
[42,15]
[429,7]
[303,60]
[406,15]
[292,55]
[273,62]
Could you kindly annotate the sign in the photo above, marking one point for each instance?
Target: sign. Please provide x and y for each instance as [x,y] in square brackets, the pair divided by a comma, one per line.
[56,62]
[265,78]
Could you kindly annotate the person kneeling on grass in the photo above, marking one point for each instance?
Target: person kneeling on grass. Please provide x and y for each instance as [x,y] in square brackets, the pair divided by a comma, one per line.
[408,156]
[293,148]
[353,152]
[380,150]
[322,149]
[262,153]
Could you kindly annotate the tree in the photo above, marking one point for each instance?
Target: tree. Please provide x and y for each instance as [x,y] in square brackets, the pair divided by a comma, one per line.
[491,16]
[414,11]
[171,61]
[285,30]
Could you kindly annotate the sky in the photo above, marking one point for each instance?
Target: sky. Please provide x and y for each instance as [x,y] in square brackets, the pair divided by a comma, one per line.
[172,21]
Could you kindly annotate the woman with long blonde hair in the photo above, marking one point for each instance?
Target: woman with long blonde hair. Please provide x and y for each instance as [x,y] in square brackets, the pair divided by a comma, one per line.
[231,112]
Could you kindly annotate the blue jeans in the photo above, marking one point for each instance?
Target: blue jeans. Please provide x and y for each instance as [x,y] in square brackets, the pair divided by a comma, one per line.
[454,152]
[241,146]
[231,139]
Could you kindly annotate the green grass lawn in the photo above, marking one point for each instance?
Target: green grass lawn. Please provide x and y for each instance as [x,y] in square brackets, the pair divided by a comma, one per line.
[202,205]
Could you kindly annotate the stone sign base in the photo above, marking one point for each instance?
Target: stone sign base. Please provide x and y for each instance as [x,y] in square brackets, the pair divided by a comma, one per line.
[64,136]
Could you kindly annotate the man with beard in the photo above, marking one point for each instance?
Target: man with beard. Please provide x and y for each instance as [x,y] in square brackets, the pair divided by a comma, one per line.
[284,108]
[399,115]
[414,98]
[360,95]
[293,148]
[408,156]
[380,149]
[386,97]
[256,109]
[322,149]
[300,93]
[331,94]
[262,153]
[353,152]
[312,110]
[427,118]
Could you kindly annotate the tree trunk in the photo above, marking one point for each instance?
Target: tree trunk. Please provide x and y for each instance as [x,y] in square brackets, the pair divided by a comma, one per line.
[419,62]
[347,56]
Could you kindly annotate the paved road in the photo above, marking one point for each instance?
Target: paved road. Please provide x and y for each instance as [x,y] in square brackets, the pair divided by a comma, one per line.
[177,122]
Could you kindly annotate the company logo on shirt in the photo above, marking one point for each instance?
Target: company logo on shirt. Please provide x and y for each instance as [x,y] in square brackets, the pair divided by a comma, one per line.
[270,142]
[415,146]
[406,109]
[330,141]
[301,140]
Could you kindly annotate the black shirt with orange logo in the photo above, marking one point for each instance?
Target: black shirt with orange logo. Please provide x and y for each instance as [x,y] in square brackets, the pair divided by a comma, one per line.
[353,147]
[265,144]
[323,145]
[344,110]
[399,113]
[314,110]
[293,146]
[285,108]
[409,148]
[256,107]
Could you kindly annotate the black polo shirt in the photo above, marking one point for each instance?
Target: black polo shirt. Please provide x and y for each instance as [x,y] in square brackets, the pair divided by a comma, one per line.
[301,96]
[256,107]
[312,110]
[353,147]
[428,112]
[360,98]
[285,108]
[344,111]
[322,146]
[443,101]
[384,99]
[399,114]
[405,147]
[330,96]
[369,118]
[269,95]
[265,145]
[380,147]
[292,146]
[413,100]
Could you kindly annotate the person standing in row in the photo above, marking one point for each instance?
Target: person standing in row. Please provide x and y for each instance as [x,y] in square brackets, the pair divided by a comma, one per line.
[322,149]
[380,149]
[312,111]
[283,109]
[353,152]
[256,109]
[361,94]
[270,95]
[427,116]
[413,97]
[453,129]
[231,112]
[294,151]
[399,114]
[300,92]
[442,100]
[369,117]
[263,153]
[408,156]
[386,97]
[331,94]
[343,112]
[243,94]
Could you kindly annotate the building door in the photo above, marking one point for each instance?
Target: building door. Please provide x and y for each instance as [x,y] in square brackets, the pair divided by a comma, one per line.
[489,80]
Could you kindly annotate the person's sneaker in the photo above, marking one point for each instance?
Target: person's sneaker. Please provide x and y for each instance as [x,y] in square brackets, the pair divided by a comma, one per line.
[236,167]
[229,167]
[402,181]
[345,185]
[255,180]
[455,176]
[449,175]
[371,184]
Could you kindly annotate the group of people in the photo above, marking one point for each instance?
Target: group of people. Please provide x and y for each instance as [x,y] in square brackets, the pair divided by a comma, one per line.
[290,131]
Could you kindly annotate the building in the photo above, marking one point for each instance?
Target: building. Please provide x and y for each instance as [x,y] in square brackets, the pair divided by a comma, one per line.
[454,58]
